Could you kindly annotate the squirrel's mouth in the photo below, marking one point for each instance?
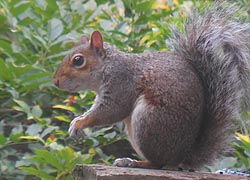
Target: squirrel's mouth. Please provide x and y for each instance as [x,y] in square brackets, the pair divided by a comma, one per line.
[67,84]
[71,87]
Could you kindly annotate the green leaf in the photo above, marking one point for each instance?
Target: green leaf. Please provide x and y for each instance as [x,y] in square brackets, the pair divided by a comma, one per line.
[86,159]
[41,4]
[5,73]
[3,139]
[101,131]
[48,130]
[33,86]
[21,8]
[144,6]
[17,129]
[50,158]
[38,173]
[242,158]
[55,146]
[52,7]
[101,154]
[55,29]
[16,137]
[38,76]
[34,129]
[58,55]
[5,47]
[41,40]
[19,70]
[63,118]
[34,138]
[101,139]
[36,111]
[69,108]
[110,135]
[61,39]
[99,2]
[22,106]
[67,154]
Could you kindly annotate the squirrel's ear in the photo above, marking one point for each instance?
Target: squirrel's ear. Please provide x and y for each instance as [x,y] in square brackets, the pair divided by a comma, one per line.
[96,40]
[84,39]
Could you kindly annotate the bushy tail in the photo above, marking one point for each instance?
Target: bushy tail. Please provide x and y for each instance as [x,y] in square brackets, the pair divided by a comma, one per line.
[218,46]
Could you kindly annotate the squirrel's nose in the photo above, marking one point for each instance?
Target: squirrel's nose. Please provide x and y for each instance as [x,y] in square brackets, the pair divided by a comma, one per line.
[56,82]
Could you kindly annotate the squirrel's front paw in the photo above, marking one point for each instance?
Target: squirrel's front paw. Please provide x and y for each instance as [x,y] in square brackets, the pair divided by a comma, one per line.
[125,162]
[75,128]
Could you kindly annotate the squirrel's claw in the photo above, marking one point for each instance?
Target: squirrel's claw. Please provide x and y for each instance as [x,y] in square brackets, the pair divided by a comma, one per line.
[125,162]
[75,128]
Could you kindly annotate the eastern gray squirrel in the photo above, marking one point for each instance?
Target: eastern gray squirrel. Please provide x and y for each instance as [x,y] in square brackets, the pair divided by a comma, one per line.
[178,106]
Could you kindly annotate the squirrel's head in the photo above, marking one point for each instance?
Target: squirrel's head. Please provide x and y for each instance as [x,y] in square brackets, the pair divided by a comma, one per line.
[81,69]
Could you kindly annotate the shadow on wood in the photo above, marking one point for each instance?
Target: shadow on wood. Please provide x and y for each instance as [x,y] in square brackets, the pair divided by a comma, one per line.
[102,172]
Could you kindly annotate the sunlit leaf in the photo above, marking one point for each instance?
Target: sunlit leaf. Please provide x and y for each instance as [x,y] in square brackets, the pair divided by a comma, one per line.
[92,151]
[22,106]
[244,137]
[63,118]
[69,108]
[34,138]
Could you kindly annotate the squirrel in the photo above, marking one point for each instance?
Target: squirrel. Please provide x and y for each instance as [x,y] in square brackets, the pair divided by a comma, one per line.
[179,106]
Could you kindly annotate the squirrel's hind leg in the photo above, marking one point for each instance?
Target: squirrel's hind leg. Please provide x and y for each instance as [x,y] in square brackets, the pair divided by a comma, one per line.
[128,162]
[153,135]
[131,132]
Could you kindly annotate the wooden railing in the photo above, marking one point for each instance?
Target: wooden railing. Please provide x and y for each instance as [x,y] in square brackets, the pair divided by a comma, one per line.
[102,172]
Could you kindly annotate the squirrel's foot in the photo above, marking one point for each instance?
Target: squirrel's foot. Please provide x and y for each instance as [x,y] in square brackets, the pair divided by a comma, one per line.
[125,162]
[128,162]
[75,128]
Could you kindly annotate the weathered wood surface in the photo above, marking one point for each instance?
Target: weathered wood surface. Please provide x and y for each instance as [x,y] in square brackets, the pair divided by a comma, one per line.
[101,172]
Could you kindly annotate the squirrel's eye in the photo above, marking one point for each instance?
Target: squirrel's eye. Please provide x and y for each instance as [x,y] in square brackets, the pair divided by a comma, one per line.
[78,61]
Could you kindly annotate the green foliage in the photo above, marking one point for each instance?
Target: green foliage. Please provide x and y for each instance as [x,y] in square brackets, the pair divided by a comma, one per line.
[243,151]
[35,35]
[56,163]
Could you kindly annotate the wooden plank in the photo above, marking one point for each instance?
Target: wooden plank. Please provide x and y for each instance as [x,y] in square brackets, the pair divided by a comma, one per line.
[102,172]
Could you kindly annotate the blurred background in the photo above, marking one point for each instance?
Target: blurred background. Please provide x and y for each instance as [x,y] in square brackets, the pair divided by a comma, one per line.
[35,35]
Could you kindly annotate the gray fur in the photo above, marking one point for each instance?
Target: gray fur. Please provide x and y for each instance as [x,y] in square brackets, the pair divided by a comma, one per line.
[218,47]
[178,106]
[184,131]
